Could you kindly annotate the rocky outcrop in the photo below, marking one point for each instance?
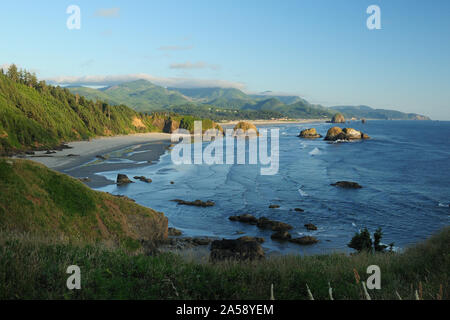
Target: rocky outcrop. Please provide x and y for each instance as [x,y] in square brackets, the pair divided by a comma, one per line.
[123,179]
[245,218]
[143,179]
[338,118]
[309,134]
[197,203]
[281,236]
[265,223]
[171,125]
[307,240]
[299,210]
[274,206]
[346,134]
[174,232]
[347,185]
[262,223]
[239,250]
[310,227]
[247,238]
[245,128]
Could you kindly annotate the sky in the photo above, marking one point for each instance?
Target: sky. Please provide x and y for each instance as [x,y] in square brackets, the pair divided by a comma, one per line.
[321,50]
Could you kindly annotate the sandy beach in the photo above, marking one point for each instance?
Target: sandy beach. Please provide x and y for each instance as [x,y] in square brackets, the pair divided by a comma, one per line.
[84,158]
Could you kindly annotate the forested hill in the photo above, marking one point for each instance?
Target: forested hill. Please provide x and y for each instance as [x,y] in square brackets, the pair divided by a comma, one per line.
[226,103]
[35,115]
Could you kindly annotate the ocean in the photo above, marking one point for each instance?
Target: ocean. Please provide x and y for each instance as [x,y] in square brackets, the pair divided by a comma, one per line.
[404,170]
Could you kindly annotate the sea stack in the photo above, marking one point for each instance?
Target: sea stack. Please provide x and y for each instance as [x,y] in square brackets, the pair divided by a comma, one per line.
[309,134]
[338,118]
[244,127]
[346,134]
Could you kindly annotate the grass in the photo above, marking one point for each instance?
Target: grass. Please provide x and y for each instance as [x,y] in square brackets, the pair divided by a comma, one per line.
[35,269]
[37,200]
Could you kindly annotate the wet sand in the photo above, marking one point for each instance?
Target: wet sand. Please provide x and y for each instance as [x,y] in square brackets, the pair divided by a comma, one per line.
[85,158]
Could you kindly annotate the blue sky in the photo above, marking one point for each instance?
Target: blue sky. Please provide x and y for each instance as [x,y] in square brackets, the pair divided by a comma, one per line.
[321,50]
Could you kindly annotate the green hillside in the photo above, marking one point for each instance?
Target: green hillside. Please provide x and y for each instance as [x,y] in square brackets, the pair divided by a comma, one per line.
[40,201]
[370,113]
[144,96]
[36,115]
[210,94]
[141,95]
[220,114]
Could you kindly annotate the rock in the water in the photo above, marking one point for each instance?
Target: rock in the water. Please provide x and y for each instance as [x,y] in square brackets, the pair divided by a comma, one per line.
[123,179]
[310,226]
[363,120]
[197,203]
[309,134]
[247,238]
[101,157]
[299,210]
[174,232]
[274,206]
[338,118]
[240,250]
[265,223]
[347,185]
[245,128]
[333,133]
[245,218]
[307,240]
[346,134]
[281,236]
[202,241]
[143,179]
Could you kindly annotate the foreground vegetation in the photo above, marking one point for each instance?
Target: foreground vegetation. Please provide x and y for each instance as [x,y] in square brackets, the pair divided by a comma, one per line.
[34,269]
[37,200]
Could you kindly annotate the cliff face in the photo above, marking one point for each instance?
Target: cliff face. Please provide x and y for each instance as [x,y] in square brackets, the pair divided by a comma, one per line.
[37,200]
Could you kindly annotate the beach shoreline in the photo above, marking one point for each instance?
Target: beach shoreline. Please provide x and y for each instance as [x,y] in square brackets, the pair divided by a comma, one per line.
[149,146]
[266,122]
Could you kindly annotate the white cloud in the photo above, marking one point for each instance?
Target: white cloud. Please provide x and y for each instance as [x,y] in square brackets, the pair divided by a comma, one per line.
[196,65]
[99,80]
[108,12]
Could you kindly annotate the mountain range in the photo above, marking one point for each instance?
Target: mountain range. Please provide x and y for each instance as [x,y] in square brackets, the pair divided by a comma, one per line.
[145,96]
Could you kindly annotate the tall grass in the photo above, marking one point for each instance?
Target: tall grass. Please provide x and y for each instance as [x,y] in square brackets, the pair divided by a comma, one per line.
[31,268]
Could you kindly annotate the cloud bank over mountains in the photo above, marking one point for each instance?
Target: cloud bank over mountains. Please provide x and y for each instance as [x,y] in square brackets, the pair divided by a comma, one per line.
[109,80]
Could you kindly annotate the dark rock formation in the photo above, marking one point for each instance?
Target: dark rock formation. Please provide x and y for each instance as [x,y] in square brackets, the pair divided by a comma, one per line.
[274,206]
[143,179]
[265,223]
[245,218]
[240,250]
[299,210]
[123,179]
[309,134]
[197,203]
[307,240]
[281,236]
[247,238]
[174,232]
[347,185]
[310,227]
